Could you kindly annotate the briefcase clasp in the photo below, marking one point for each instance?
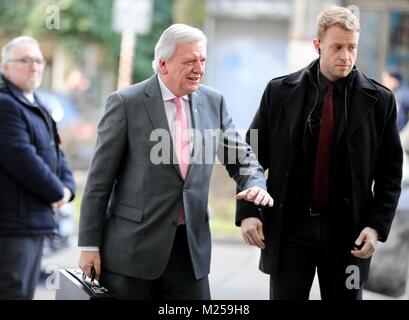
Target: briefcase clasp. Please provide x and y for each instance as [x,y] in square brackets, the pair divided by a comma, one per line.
[93,284]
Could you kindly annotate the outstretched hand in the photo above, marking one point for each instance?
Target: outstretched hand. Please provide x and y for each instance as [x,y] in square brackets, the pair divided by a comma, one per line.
[256,195]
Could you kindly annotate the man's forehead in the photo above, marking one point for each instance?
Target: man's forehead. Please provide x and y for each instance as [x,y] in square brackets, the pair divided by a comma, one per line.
[339,37]
[191,54]
[191,45]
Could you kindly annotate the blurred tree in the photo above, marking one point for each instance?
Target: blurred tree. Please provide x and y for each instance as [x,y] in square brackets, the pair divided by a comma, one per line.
[145,45]
[166,12]
[80,22]
[191,12]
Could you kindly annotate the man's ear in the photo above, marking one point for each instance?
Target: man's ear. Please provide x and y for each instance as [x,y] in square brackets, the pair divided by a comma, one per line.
[317,46]
[162,66]
[5,68]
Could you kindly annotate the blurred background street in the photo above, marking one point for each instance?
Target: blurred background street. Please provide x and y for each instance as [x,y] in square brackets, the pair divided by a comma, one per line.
[249,43]
[234,273]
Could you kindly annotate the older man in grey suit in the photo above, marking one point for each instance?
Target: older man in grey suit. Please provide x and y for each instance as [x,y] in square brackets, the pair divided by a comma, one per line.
[144,219]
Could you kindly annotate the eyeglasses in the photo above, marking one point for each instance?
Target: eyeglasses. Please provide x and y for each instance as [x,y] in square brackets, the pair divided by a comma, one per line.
[27,62]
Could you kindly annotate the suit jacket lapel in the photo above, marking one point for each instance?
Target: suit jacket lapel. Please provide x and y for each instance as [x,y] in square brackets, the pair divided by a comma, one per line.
[156,111]
[293,104]
[363,100]
[196,110]
[154,105]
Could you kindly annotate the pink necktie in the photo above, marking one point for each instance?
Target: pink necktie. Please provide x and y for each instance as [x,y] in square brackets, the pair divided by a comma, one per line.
[181,137]
[181,143]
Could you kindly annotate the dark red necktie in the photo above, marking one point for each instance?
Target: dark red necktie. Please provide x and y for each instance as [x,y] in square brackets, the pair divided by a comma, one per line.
[323,153]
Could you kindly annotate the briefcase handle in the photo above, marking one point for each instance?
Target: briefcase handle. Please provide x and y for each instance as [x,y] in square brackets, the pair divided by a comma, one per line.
[93,284]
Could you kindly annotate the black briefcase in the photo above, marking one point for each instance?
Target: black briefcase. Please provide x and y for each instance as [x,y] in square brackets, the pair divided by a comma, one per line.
[75,286]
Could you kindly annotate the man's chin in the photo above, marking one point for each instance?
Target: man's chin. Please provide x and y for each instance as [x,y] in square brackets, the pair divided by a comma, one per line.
[192,88]
[343,74]
[34,86]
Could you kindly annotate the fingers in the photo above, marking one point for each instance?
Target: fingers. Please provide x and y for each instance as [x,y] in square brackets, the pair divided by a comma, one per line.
[243,194]
[366,252]
[252,232]
[89,259]
[369,238]
[56,205]
[256,195]
[67,195]
[259,196]
[360,239]
[267,200]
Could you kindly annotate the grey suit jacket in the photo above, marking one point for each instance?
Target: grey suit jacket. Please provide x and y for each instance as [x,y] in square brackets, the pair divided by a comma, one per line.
[131,203]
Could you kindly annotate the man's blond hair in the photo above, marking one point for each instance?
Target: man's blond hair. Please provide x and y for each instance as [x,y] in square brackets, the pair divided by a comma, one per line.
[337,16]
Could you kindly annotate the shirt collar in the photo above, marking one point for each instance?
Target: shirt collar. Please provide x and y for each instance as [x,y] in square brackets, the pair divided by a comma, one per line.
[29,97]
[339,84]
[166,93]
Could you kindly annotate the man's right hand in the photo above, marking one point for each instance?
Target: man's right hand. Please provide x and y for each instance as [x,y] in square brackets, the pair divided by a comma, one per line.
[252,232]
[89,259]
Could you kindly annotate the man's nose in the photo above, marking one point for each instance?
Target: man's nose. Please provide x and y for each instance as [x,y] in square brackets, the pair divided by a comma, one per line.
[34,66]
[199,66]
[345,55]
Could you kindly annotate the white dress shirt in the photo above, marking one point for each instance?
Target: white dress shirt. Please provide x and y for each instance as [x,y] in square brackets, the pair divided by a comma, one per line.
[170,109]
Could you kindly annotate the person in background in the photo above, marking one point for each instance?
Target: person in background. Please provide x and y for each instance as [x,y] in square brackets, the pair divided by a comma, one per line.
[144,224]
[328,136]
[35,179]
[392,78]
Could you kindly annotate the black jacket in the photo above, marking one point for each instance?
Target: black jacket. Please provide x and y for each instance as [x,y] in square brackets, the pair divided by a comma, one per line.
[33,170]
[373,149]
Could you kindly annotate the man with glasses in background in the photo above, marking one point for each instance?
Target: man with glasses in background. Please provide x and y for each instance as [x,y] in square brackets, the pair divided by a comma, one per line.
[35,179]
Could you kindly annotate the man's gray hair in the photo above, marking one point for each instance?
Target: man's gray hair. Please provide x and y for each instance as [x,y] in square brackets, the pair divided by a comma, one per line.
[177,34]
[5,52]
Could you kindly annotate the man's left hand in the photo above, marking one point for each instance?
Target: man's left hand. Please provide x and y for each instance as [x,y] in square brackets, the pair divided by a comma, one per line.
[65,199]
[256,195]
[369,238]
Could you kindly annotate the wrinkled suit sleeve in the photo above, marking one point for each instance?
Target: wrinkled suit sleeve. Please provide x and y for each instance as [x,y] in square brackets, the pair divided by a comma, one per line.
[109,151]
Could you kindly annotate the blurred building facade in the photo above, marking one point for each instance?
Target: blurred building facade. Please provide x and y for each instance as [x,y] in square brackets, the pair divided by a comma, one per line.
[253,41]
[385,36]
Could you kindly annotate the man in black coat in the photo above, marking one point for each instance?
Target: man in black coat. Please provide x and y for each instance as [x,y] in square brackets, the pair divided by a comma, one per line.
[34,177]
[328,136]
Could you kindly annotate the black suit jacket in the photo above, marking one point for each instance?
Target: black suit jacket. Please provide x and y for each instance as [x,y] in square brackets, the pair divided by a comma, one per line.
[373,150]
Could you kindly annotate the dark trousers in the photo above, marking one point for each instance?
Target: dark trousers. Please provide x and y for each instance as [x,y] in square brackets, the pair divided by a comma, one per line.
[177,282]
[20,265]
[314,244]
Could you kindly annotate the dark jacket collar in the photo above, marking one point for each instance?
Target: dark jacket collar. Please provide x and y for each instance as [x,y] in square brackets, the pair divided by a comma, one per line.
[361,81]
